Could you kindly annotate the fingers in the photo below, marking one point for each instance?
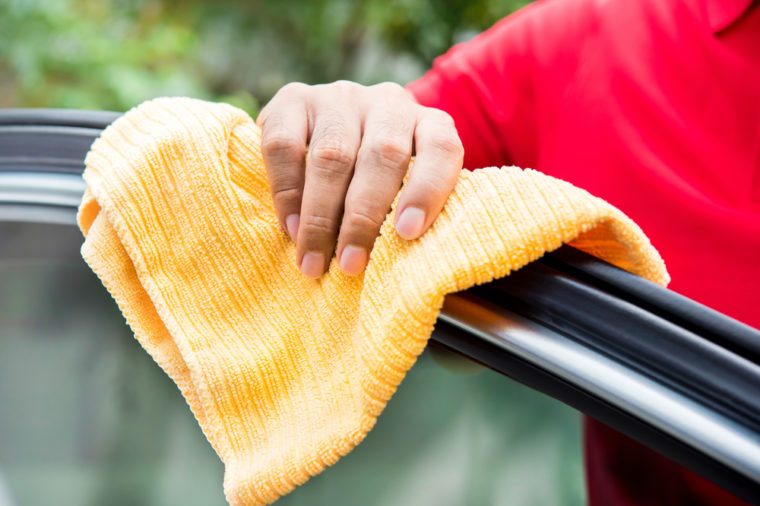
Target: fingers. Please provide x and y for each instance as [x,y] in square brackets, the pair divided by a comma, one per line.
[284,124]
[439,156]
[382,161]
[329,169]
[359,142]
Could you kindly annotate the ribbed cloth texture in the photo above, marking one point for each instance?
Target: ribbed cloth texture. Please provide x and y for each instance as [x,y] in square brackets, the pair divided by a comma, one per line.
[286,374]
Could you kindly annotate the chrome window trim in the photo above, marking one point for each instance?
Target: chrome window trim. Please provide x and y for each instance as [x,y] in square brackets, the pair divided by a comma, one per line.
[675,414]
[41,189]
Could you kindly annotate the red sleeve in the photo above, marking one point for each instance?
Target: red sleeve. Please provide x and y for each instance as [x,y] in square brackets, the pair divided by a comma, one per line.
[495,85]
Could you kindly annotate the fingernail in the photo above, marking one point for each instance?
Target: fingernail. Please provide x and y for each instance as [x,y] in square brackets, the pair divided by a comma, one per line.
[313,264]
[409,225]
[291,222]
[353,259]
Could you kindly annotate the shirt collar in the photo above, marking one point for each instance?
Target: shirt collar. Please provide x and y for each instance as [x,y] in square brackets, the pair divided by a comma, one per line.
[723,13]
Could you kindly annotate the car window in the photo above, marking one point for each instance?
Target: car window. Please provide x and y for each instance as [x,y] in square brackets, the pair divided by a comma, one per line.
[87,417]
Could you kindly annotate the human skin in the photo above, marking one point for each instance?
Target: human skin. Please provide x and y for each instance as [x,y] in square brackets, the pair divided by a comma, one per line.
[336,155]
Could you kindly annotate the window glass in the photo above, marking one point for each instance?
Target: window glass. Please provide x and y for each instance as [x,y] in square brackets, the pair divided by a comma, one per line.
[86,417]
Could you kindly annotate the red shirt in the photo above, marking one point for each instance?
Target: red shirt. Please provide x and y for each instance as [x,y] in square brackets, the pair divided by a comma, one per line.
[654,106]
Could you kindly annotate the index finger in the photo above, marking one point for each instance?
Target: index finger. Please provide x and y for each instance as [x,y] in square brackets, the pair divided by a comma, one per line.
[283,146]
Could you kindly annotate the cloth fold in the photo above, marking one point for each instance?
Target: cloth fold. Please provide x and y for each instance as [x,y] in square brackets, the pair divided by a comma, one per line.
[286,374]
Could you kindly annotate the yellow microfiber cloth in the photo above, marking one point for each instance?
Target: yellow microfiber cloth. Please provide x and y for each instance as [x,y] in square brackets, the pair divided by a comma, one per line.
[286,374]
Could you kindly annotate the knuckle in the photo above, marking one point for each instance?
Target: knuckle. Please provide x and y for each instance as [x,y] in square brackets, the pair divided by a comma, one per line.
[341,86]
[332,159]
[440,117]
[358,220]
[448,143]
[314,224]
[389,88]
[392,151]
[344,83]
[282,144]
[286,195]
[293,89]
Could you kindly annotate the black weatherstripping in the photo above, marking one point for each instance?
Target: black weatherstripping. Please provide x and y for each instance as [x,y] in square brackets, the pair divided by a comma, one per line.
[647,342]
[699,353]
[58,117]
[707,323]
[48,140]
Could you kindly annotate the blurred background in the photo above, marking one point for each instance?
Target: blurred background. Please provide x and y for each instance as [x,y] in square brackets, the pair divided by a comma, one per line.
[86,417]
[111,54]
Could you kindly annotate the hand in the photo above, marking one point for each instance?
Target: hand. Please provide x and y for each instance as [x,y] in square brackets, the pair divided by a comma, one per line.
[359,142]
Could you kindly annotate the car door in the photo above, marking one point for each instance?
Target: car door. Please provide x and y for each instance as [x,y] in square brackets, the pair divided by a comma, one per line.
[489,415]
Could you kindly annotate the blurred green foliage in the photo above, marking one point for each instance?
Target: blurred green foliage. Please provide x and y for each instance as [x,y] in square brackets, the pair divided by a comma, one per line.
[111,54]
